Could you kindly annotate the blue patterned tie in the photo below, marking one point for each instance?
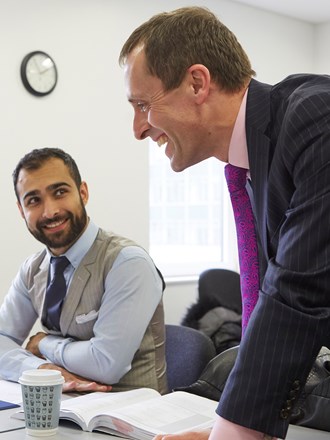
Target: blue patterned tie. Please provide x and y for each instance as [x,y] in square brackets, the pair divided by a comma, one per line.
[56,292]
[246,240]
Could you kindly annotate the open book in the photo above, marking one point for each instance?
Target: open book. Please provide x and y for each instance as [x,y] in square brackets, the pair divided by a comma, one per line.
[140,414]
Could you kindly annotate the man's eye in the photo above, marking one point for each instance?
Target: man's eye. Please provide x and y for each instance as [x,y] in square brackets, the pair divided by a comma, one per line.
[60,191]
[32,201]
[142,106]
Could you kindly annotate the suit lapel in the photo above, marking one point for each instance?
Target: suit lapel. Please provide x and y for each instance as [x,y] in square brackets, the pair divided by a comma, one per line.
[257,119]
[73,298]
[76,289]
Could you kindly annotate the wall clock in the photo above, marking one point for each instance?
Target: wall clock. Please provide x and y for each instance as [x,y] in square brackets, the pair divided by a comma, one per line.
[38,73]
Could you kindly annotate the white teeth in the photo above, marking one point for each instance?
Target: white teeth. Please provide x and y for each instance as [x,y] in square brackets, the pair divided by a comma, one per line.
[54,225]
[162,140]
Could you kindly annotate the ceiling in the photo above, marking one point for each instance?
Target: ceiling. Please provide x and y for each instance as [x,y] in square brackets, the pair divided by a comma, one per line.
[314,11]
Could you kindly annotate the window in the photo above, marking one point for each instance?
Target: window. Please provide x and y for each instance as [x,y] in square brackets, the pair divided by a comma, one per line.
[191,224]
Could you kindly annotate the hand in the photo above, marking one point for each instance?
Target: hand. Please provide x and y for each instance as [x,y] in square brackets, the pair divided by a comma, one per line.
[33,344]
[223,428]
[72,382]
[193,435]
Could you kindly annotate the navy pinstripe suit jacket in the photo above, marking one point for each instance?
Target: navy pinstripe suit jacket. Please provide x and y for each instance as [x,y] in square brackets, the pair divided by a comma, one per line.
[288,136]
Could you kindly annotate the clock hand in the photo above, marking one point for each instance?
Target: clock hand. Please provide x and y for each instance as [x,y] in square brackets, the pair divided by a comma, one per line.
[36,64]
[49,65]
[45,70]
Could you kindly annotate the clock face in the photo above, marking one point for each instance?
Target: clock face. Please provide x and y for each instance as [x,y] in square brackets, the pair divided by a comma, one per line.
[38,73]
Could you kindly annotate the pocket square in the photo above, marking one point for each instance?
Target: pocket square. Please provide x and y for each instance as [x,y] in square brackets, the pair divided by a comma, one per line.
[86,317]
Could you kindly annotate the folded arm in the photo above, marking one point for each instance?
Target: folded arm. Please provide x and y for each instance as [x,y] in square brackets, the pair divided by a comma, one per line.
[133,290]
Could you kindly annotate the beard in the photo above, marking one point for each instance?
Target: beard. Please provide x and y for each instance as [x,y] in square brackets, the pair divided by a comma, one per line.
[62,239]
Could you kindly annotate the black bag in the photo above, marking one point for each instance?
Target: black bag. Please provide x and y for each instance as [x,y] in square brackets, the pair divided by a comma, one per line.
[311,410]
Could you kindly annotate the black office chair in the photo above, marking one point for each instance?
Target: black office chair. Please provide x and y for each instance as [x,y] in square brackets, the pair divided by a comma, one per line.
[187,353]
[220,287]
[217,288]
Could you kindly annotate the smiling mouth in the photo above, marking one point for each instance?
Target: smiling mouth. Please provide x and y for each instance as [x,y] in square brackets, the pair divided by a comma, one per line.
[54,225]
[163,139]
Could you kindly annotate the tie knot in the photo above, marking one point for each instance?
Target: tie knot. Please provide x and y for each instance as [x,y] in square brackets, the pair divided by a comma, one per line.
[59,263]
[236,177]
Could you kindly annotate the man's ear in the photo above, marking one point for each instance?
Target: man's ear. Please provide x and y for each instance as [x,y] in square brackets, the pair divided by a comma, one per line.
[83,190]
[200,80]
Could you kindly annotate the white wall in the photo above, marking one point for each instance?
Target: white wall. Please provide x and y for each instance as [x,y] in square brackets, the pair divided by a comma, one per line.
[322,38]
[88,115]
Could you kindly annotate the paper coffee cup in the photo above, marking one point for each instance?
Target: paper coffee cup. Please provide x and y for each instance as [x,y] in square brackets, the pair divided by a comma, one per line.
[41,393]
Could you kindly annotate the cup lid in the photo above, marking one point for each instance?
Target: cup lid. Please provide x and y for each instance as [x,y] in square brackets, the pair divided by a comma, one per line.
[41,377]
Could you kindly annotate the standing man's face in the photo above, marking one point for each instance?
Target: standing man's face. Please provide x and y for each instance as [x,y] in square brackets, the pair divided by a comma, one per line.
[52,206]
[172,117]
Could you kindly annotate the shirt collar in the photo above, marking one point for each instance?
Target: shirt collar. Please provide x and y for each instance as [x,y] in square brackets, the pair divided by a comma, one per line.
[238,152]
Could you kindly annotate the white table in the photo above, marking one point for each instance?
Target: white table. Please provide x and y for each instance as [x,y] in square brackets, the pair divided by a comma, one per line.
[69,431]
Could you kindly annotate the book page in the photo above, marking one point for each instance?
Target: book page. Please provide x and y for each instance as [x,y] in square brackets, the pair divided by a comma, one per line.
[171,413]
[10,391]
[95,405]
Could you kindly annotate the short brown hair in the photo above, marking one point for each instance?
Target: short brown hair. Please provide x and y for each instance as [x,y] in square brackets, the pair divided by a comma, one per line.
[174,41]
[36,158]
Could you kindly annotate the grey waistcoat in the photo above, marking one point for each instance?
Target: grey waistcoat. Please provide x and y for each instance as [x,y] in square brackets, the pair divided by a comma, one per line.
[85,294]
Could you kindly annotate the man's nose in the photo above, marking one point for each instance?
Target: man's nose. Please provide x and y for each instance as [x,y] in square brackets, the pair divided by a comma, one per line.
[141,125]
[51,209]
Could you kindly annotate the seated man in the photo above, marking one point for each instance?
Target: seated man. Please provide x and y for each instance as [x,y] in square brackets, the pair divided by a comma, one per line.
[109,331]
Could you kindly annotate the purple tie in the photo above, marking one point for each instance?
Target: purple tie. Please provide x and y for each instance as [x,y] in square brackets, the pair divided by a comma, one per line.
[246,240]
[56,292]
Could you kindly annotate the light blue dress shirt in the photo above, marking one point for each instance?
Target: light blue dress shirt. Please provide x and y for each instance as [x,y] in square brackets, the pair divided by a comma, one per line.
[133,289]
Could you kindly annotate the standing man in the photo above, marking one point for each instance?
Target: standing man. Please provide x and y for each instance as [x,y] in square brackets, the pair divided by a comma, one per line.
[191,87]
[107,333]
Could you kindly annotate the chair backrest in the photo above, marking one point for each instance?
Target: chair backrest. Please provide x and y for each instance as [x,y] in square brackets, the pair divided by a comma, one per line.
[216,288]
[220,287]
[187,353]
